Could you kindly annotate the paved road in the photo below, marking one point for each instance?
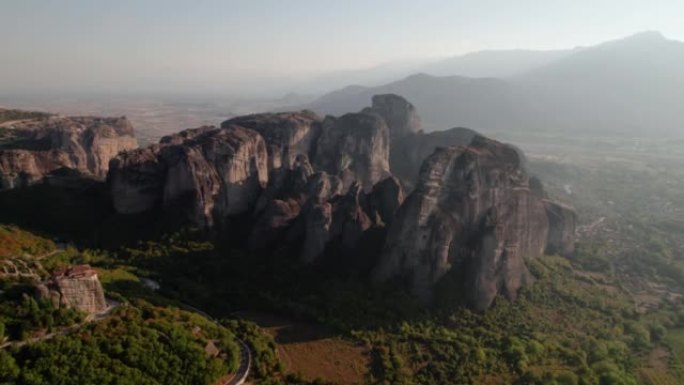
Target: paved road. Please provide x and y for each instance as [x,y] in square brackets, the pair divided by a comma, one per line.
[241,374]
[66,330]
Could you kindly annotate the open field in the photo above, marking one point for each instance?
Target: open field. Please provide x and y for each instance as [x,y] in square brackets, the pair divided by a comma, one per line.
[312,351]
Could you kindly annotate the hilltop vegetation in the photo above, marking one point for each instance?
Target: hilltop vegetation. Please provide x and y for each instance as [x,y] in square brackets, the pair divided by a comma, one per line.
[138,344]
[7,115]
[16,242]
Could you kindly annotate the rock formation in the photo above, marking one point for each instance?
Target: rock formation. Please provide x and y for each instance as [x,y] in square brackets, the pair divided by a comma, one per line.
[75,287]
[38,147]
[400,115]
[562,222]
[302,184]
[290,138]
[287,135]
[472,214]
[354,147]
[408,152]
[205,172]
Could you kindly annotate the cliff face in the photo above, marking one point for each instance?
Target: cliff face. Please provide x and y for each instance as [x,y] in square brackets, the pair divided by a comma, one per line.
[302,184]
[400,115]
[354,147]
[287,135]
[472,214]
[39,147]
[408,152]
[205,172]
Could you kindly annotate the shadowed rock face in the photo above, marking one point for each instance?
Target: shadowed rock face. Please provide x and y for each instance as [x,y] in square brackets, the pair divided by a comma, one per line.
[562,222]
[206,172]
[85,144]
[408,152]
[400,115]
[384,201]
[354,147]
[473,211]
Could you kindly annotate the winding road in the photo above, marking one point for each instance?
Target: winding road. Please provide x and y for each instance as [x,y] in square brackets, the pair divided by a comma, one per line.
[242,373]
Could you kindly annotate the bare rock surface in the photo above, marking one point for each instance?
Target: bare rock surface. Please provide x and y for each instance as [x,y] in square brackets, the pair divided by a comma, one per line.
[205,172]
[354,147]
[399,114]
[300,184]
[408,152]
[35,148]
[472,214]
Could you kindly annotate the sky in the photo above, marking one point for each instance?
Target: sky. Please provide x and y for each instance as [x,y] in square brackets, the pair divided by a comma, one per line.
[247,46]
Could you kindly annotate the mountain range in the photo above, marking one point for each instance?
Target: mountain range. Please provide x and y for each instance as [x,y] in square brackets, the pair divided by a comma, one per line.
[632,85]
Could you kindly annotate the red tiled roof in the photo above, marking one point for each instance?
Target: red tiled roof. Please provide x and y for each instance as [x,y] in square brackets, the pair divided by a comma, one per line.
[76,271]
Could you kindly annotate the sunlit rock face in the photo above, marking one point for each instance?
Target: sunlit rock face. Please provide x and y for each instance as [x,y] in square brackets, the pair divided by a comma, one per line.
[472,214]
[208,173]
[83,144]
[290,138]
[287,134]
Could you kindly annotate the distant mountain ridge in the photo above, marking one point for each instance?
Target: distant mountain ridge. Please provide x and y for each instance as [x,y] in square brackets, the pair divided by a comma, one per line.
[633,85]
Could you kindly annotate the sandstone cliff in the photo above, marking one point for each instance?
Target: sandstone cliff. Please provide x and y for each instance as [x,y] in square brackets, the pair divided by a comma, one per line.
[36,148]
[400,115]
[472,215]
[408,152]
[302,184]
[206,172]
[354,147]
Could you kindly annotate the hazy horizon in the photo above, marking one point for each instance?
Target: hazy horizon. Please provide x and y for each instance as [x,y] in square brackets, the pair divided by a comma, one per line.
[264,48]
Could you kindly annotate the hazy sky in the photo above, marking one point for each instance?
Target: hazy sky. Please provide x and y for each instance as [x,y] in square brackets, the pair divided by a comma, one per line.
[141,45]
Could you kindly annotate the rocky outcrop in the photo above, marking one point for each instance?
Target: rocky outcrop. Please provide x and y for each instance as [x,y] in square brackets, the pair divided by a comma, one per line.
[36,148]
[400,115]
[289,138]
[74,287]
[562,222]
[287,135]
[472,216]
[408,152]
[302,184]
[136,180]
[207,173]
[349,218]
[384,200]
[354,147]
